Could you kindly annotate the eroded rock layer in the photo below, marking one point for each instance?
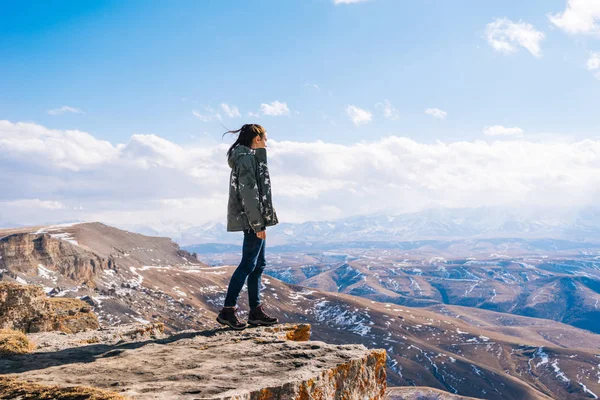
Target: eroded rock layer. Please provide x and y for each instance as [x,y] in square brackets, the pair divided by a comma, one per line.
[28,253]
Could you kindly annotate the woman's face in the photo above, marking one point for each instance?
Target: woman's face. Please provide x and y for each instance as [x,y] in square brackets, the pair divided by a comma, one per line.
[260,142]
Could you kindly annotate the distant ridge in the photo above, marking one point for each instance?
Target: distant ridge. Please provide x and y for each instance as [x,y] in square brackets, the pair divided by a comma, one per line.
[581,226]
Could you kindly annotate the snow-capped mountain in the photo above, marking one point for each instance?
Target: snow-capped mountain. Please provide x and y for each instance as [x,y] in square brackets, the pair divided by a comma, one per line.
[439,224]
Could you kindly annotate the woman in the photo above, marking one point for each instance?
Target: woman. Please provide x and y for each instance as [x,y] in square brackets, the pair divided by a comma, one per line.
[249,210]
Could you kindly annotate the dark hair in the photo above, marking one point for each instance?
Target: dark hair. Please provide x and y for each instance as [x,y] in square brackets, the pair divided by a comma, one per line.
[246,135]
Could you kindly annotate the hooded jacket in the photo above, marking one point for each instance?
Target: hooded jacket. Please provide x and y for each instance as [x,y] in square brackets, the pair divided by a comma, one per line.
[250,205]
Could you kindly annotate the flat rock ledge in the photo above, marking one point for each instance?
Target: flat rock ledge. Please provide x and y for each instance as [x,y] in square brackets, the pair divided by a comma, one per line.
[126,333]
[265,363]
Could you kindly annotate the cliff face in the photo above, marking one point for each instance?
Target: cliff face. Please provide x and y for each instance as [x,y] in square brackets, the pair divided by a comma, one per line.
[26,252]
[61,256]
[258,363]
[26,308]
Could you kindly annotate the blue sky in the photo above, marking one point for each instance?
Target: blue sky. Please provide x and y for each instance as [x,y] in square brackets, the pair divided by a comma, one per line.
[145,66]
[112,111]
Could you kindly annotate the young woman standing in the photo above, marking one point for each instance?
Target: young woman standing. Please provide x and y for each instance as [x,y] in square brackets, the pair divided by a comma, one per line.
[250,210]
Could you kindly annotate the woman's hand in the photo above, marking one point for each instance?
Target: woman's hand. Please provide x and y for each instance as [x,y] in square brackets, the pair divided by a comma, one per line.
[262,235]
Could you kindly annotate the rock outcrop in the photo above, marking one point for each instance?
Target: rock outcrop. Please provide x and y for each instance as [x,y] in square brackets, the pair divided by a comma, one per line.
[258,363]
[28,309]
[14,342]
[26,252]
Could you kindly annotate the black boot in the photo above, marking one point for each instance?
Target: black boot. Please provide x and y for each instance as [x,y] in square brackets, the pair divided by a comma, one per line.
[257,316]
[228,317]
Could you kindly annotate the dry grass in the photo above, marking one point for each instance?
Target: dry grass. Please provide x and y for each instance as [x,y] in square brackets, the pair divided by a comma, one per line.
[92,340]
[72,315]
[11,388]
[14,342]
[148,329]
[12,286]
[65,303]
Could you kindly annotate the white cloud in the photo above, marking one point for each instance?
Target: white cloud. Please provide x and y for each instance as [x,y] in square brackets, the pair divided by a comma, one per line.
[253,114]
[506,36]
[593,64]
[436,112]
[33,204]
[30,143]
[312,85]
[275,108]
[348,1]
[358,116]
[499,130]
[230,111]
[210,115]
[149,180]
[580,16]
[388,110]
[64,109]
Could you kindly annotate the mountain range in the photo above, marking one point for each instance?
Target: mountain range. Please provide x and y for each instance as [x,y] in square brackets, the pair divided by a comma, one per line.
[580,225]
[476,352]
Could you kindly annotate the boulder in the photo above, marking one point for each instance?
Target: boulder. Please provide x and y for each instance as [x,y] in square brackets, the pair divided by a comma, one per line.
[28,309]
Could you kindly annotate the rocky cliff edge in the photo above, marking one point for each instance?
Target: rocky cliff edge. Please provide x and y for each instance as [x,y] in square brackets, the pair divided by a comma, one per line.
[258,363]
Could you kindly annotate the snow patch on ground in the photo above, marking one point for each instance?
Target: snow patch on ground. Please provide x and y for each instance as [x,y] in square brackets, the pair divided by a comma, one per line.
[147,267]
[338,316]
[588,391]
[470,289]
[64,236]
[542,355]
[98,299]
[45,272]
[65,291]
[139,280]
[179,292]
[525,265]
[141,320]
[559,374]
[210,289]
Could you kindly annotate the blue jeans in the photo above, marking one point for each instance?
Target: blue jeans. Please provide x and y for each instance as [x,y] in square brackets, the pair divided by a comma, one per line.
[251,267]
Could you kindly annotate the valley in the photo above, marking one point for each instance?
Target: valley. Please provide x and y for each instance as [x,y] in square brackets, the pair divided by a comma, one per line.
[372,297]
[563,285]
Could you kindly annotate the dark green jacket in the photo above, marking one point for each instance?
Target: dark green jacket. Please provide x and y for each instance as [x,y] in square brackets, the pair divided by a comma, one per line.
[250,205]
